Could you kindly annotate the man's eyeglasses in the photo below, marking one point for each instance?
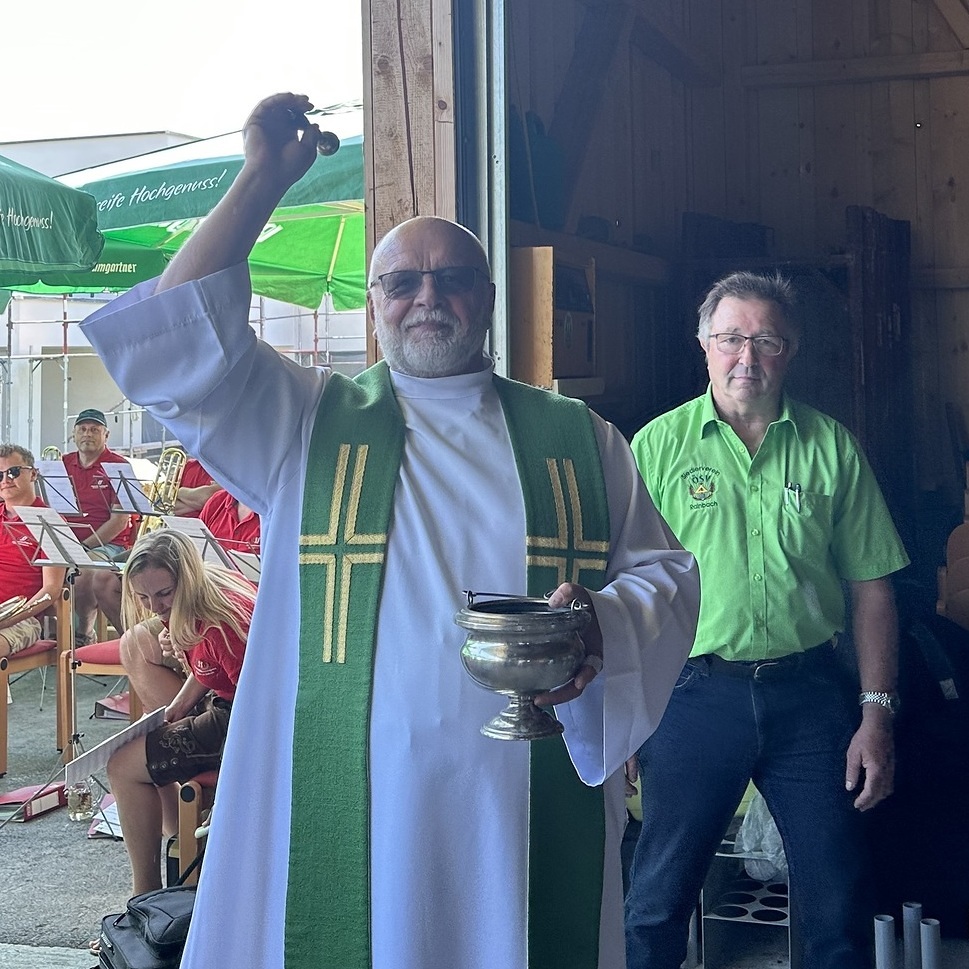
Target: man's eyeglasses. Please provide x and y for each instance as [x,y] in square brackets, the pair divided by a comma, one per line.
[764,346]
[449,281]
[14,472]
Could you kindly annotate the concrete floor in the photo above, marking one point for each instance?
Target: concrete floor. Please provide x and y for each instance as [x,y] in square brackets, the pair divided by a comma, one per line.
[56,882]
[66,882]
[44,957]
[955,955]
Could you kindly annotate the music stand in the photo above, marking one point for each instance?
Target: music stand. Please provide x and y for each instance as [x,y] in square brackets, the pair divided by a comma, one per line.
[247,563]
[56,488]
[129,489]
[58,545]
[207,544]
[126,493]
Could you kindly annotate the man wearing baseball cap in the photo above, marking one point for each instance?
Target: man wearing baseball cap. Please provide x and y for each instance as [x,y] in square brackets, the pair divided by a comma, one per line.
[99,526]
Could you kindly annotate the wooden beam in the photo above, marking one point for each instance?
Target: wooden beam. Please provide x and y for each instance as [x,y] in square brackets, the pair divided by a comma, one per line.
[445,149]
[957,17]
[409,141]
[942,277]
[663,45]
[408,117]
[611,260]
[579,100]
[862,70]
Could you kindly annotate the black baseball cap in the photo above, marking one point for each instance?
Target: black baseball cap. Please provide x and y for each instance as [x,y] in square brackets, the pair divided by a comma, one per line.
[93,415]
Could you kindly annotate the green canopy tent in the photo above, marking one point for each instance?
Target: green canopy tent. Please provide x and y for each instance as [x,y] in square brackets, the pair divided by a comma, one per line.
[44,226]
[147,206]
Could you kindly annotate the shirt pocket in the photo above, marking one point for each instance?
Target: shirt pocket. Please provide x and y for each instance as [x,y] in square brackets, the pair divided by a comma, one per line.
[806,530]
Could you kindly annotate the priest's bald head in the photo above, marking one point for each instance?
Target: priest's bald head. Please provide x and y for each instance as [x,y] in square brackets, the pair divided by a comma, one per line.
[431,298]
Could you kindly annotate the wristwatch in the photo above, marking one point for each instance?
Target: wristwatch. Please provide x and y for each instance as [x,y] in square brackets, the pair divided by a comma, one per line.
[888,700]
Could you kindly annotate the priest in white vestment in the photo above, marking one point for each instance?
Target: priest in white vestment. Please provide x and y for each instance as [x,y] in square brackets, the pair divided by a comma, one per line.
[444,812]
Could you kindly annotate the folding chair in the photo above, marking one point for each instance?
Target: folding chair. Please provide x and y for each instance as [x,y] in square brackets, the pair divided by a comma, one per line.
[98,659]
[194,797]
[42,654]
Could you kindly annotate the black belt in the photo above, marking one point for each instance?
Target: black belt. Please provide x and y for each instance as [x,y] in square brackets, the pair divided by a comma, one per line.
[771,669]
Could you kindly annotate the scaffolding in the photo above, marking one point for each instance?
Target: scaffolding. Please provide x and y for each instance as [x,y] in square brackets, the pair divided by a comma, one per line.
[50,373]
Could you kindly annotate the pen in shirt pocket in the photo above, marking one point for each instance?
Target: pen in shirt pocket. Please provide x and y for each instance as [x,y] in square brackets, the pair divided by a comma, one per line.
[792,495]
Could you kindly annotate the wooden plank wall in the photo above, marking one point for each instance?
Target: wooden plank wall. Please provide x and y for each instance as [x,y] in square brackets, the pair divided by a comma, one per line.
[632,174]
[626,154]
[814,105]
[409,155]
[795,152]
[584,68]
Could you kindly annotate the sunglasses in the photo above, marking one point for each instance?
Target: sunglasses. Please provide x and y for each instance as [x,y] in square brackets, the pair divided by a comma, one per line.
[14,472]
[450,281]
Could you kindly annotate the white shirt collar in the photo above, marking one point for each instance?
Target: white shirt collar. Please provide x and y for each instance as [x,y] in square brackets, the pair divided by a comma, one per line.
[460,385]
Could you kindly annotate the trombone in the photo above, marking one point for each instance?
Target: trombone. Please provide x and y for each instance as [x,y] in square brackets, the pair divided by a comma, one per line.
[163,491]
[51,453]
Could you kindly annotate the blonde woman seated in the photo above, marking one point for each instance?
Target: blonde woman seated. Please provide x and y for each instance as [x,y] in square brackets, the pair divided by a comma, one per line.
[187,625]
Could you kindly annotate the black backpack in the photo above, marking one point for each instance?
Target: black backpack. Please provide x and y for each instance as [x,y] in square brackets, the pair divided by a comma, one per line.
[151,932]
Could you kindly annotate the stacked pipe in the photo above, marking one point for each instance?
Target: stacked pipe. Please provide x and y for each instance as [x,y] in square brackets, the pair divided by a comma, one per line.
[921,942]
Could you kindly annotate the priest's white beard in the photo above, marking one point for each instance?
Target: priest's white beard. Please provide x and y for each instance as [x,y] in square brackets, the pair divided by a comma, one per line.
[449,349]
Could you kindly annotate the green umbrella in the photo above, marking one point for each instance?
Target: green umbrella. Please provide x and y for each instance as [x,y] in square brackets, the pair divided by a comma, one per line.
[303,253]
[121,266]
[313,244]
[44,226]
[186,181]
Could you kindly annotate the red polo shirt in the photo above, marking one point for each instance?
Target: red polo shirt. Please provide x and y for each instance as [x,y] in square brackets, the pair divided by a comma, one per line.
[216,662]
[95,496]
[219,516]
[194,476]
[17,547]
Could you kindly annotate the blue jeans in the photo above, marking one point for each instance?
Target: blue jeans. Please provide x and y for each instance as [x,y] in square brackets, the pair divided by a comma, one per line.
[789,736]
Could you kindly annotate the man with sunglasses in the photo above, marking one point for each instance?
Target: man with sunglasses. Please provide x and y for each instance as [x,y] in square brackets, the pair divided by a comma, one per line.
[782,510]
[402,838]
[19,575]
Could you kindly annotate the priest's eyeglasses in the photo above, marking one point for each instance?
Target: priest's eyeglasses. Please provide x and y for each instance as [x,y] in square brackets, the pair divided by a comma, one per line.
[14,472]
[449,281]
[764,346]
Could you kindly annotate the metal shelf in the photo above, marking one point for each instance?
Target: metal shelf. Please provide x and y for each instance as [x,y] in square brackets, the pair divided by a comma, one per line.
[740,914]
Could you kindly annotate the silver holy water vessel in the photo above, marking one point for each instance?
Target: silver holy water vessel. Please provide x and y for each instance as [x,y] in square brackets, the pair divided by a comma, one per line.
[520,647]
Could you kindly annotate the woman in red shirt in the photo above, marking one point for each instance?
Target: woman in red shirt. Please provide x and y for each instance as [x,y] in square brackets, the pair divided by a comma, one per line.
[197,615]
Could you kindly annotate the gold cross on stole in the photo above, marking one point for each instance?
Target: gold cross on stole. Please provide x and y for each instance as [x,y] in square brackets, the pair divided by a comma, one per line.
[567,552]
[344,548]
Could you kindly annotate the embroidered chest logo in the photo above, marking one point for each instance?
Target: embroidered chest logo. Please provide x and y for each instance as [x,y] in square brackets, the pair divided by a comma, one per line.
[341,550]
[568,551]
[24,541]
[701,486]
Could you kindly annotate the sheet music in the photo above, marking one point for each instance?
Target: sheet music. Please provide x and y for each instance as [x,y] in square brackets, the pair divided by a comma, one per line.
[106,823]
[247,563]
[56,539]
[206,543]
[95,759]
[56,488]
[128,488]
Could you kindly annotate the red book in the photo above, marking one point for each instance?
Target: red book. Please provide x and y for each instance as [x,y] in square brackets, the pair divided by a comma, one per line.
[37,799]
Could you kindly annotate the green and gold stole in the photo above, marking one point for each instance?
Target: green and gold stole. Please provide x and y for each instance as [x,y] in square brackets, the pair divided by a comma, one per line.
[352,470]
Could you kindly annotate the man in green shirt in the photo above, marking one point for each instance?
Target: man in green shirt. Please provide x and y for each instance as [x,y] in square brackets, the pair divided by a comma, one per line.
[780,508]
